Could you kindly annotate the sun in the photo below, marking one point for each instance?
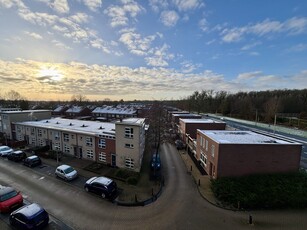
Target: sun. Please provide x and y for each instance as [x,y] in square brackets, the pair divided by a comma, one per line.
[50,72]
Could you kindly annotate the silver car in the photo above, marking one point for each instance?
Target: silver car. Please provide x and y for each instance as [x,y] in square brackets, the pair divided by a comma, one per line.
[66,172]
[5,150]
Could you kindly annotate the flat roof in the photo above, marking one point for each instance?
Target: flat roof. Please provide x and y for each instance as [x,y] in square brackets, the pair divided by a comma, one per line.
[186,115]
[200,121]
[132,121]
[27,111]
[72,125]
[242,137]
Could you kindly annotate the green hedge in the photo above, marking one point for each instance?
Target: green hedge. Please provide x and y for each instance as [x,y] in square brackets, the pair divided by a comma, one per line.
[263,191]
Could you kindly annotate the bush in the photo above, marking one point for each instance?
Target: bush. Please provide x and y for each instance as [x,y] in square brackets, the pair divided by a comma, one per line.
[132,180]
[263,191]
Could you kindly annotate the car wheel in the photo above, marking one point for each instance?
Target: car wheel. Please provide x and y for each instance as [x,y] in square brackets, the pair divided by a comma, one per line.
[86,189]
[103,195]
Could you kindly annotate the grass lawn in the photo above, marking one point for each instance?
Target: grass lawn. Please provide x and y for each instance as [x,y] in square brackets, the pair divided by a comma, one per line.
[263,191]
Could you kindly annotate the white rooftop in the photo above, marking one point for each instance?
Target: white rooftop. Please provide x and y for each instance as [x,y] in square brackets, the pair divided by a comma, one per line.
[115,110]
[133,121]
[242,137]
[185,115]
[27,111]
[200,121]
[72,125]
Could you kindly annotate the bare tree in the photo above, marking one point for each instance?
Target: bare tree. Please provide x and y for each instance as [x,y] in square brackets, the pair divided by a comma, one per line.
[79,99]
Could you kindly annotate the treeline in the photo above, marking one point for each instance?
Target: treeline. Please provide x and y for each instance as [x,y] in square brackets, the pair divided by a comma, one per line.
[248,105]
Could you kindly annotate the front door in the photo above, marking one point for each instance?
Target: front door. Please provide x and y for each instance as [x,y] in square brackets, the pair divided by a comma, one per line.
[113,160]
[80,153]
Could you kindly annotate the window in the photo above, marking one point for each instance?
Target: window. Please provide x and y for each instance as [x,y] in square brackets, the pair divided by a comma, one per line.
[66,137]
[128,132]
[129,163]
[32,131]
[103,157]
[90,153]
[130,146]
[57,146]
[203,159]
[33,141]
[206,145]
[39,132]
[102,143]
[201,141]
[89,141]
[212,150]
[56,136]
[66,148]
[41,142]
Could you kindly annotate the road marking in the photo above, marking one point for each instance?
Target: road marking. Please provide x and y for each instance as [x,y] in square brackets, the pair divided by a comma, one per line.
[42,178]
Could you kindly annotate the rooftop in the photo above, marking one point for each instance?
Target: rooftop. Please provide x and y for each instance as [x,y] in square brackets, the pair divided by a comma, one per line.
[200,121]
[242,137]
[186,115]
[77,126]
[132,121]
[27,111]
[115,110]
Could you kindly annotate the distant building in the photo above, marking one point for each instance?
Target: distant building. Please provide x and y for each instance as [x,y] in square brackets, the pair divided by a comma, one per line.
[118,144]
[78,112]
[239,153]
[108,113]
[8,117]
[60,110]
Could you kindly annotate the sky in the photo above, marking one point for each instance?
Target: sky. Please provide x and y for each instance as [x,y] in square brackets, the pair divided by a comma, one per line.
[150,50]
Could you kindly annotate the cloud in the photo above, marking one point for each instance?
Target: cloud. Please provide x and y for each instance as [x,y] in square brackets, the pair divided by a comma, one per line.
[157,5]
[33,35]
[93,5]
[169,18]
[298,48]
[203,24]
[189,67]
[79,17]
[248,75]
[120,14]
[60,45]
[159,56]
[292,26]
[60,6]
[251,45]
[184,5]
[135,43]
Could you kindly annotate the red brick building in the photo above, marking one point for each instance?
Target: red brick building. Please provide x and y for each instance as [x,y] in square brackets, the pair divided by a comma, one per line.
[239,153]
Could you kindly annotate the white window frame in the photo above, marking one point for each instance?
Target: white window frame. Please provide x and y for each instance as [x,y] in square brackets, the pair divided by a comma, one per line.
[57,146]
[203,158]
[129,132]
[129,146]
[206,145]
[102,143]
[212,150]
[66,137]
[129,163]
[102,157]
[90,153]
[39,132]
[89,141]
[66,148]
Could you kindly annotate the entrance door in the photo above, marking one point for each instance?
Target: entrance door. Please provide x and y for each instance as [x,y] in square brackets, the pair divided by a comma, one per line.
[113,160]
[80,153]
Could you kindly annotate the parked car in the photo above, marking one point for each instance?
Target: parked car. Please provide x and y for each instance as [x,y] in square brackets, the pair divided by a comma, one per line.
[179,144]
[5,150]
[66,172]
[31,216]
[102,186]
[155,162]
[32,161]
[9,199]
[17,156]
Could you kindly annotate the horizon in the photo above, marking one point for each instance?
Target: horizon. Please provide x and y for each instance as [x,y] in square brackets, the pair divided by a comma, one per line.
[155,50]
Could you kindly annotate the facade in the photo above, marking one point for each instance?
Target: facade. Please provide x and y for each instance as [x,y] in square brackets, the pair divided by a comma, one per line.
[189,126]
[130,143]
[177,116]
[8,117]
[78,111]
[89,140]
[60,110]
[239,153]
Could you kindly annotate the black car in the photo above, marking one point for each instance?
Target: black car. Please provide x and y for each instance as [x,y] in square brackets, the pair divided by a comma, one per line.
[102,186]
[17,156]
[155,162]
[31,216]
[32,161]
[179,144]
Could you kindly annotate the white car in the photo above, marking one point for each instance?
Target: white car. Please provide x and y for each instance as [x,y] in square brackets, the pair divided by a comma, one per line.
[5,150]
[66,172]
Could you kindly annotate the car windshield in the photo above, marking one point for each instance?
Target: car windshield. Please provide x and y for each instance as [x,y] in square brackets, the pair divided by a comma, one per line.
[8,196]
[36,219]
[5,148]
[68,170]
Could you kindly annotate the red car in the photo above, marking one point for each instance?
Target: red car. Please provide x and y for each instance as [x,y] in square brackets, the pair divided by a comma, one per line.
[9,199]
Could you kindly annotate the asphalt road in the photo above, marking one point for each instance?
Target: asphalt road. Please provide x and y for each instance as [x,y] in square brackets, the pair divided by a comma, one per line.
[179,207]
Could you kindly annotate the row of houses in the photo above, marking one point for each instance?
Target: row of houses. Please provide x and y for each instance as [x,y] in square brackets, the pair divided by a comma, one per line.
[222,151]
[119,144]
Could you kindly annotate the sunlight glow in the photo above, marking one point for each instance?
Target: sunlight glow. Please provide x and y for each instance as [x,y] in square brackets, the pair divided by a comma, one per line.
[51,73]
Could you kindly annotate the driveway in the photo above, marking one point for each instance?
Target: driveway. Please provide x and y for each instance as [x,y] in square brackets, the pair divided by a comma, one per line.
[179,207]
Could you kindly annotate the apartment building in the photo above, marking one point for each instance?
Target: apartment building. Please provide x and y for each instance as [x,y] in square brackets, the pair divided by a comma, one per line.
[130,142]
[108,113]
[8,117]
[239,153]
[89,140]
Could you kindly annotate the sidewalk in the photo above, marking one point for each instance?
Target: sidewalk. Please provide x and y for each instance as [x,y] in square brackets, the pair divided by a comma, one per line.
[202,181]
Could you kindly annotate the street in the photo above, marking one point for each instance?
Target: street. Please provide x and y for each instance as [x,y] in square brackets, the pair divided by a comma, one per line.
[179,207]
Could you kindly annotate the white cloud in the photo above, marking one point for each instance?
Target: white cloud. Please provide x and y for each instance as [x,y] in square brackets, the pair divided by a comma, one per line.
[61,45]
[250,46]
[60,6]
[100,44]
[158,5]
[169,18]
[120,14]
[93,5]
[184,5]
[188,66]
[292,26]
[249,75]
[79,17]
[203,24]
[33,35]
[159,56]
[298,48]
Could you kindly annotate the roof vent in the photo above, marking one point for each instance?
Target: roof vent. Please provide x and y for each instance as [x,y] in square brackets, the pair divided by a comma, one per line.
[47,121]
[57,123]
[70,124]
